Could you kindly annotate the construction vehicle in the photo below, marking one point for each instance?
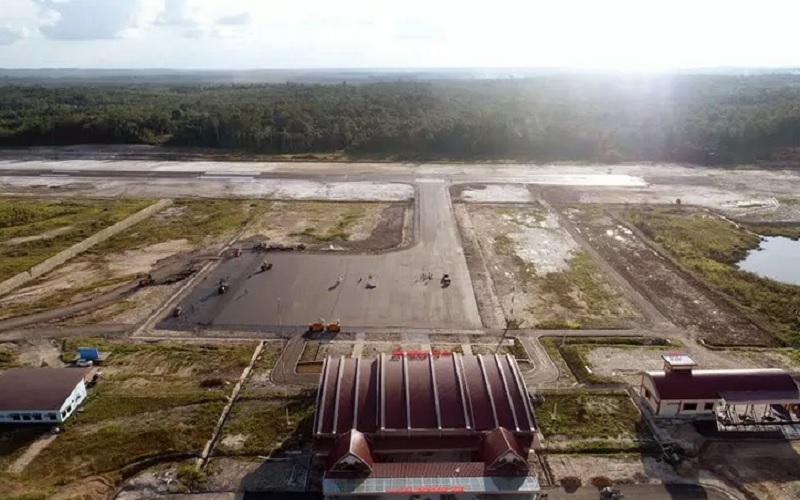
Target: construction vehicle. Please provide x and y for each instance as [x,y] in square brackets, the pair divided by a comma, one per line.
[147,281]
[609,493]
[222,287]
[266,266]
[445,281]
[333,327]
[317,327]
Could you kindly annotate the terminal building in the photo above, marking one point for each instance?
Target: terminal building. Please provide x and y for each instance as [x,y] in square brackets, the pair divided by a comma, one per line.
[437,427]
[736,399]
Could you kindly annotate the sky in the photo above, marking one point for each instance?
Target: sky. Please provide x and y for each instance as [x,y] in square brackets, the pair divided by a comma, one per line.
[254,34]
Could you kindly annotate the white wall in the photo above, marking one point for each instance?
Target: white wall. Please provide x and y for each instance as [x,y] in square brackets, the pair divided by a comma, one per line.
[73,401]
[43,417]
[675,407]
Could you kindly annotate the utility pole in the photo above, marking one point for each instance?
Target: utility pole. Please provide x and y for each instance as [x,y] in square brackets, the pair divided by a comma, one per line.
[511,323]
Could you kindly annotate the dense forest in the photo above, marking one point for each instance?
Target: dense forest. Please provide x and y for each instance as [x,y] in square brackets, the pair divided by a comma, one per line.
[701,119]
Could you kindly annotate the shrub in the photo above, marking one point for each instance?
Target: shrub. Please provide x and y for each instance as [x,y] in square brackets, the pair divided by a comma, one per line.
[570,483]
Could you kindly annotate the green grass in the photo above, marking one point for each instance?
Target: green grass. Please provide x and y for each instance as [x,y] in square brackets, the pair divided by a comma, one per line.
[23,217]
[593,420]
[195,220]
[150,402]
[791,232]
[709,248]
[584,290]
[262,423]
[341,231]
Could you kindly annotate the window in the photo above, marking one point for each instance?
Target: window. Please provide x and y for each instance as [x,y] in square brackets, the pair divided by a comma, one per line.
[26,416]
[647,394]
[63,414]
[708,406]
[16,416]
[52,416]
[690,407]
[37,416]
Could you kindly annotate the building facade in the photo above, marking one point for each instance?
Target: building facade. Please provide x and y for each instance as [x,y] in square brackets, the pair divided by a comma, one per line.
[682,391]
[41,395]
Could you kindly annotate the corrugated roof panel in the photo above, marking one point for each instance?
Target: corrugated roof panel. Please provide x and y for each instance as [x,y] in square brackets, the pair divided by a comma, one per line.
[394,391]
[423,403]
[518,398]
[505,413]
[367,395]
[480,401]
[329,395]
[347,386]
[708,384]
[450,402]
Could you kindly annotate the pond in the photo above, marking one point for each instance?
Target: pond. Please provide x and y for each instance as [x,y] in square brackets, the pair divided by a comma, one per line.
[777,258]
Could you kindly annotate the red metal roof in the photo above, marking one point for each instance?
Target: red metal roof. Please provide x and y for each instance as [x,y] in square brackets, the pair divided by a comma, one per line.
[447,393]
[710,384]
[38,389]
[498,445]
[353,444]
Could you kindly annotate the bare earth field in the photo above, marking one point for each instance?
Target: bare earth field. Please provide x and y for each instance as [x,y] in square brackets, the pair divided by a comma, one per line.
[655,278]
[539,271]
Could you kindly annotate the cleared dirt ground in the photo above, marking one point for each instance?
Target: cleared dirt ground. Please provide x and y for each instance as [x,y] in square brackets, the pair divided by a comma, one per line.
[766,470]
[181,238]
[671,292]
[331,226]
[539,271]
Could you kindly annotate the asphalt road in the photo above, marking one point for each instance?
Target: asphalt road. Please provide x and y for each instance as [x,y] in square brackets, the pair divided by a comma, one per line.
[377,290]
[645,492]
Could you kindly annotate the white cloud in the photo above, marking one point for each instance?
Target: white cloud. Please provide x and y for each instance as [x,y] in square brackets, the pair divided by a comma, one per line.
[179,13]
[10,36]
[629,34]
[90,19]
[238,19]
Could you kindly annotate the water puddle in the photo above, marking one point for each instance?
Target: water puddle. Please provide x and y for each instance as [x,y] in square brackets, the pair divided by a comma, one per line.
[777,258]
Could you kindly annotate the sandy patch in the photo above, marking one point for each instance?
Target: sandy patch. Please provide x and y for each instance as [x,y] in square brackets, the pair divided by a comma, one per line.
[70,275]
[498,193]
[143,260]
[43,236]
[233,441]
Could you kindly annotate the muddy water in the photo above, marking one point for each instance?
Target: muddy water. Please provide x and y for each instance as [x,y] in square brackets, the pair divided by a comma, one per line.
[777,258]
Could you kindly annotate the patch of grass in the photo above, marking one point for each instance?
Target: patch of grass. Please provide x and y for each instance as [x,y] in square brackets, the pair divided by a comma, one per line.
[791,232]
[582,415]
[571,353]
[8,358]
[341,231]
[503,245]
[582,289]
[522,215]
[63,297]
[195,220]
[709,248]
[264,426]
[192,478]
[310,351]
[26,217]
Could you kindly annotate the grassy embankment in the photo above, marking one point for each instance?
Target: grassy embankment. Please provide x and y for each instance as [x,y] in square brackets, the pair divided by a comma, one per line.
[32,231]
[592,422]
[709,248]
[571,353]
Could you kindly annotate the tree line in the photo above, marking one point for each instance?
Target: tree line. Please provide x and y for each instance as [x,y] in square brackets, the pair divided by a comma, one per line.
[689,118]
